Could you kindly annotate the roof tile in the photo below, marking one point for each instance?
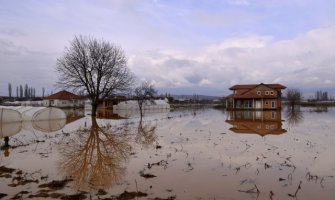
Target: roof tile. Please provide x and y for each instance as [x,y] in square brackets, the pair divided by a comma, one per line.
[250,86]
[63,95]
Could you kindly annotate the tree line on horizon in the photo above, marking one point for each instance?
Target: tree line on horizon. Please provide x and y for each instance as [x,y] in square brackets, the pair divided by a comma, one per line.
[322,96]
[23,92]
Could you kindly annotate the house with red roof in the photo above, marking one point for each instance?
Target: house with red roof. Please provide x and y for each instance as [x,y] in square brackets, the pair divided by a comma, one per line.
[255,96]
[64,99]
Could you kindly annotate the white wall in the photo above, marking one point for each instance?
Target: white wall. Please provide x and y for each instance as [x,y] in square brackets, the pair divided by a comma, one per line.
[63,103]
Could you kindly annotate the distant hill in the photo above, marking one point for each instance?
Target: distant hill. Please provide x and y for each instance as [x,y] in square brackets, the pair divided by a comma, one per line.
[199,97]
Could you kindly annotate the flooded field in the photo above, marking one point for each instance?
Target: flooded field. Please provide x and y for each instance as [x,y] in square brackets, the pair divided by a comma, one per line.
[184,154]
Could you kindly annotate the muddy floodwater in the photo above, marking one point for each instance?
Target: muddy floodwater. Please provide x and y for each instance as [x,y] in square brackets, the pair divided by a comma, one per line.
[180,154]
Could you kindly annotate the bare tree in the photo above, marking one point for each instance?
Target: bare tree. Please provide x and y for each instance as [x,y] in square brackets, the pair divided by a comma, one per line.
[195,98]
[294,116]
[321,95]
[143,93]
[293,96]
[96,67]
[146,135]
[26,91]
[21,91]
[30,92]
[10,90]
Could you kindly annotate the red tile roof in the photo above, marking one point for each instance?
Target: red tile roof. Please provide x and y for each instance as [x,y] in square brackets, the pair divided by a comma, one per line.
[251,86]
[63,95]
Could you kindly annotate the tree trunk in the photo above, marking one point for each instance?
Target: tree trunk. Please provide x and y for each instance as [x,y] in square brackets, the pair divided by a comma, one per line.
[141,112]
[140,104]
[94,109]
[6,141]
[94,123]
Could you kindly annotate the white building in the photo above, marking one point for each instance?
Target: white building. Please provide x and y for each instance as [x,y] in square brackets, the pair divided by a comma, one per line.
[147,105]
[64,99]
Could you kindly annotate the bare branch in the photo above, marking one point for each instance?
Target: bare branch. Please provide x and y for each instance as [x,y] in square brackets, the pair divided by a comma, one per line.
[95,66]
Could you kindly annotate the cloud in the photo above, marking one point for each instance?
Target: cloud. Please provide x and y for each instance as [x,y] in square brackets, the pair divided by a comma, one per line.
[20,66]
[306,61]
[180,45]
[238,2]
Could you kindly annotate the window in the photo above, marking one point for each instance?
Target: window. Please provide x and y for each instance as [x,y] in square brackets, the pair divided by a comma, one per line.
[248,104]
[247,115]
[273,104]
[238,104]
[266,103]
[266,92]
[271,92]
[238,115]
[273,115]
[258,92]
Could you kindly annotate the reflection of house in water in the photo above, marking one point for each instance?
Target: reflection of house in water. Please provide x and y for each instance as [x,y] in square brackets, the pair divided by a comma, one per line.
[256,122]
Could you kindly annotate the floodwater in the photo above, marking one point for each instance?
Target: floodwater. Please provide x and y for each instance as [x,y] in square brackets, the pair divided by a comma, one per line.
[182,154]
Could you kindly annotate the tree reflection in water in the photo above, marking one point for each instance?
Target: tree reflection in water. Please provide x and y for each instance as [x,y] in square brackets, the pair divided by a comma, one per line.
[294,115]
[146,134]
[95,157]
[320,108]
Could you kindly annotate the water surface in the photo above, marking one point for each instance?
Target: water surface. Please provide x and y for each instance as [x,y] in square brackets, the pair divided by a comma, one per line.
[184,154]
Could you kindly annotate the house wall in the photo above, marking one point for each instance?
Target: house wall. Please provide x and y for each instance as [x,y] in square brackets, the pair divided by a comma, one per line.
[264,91]
[46,103]
[261,127]
[63,103]
[254,115]
[267,103]
[272,116]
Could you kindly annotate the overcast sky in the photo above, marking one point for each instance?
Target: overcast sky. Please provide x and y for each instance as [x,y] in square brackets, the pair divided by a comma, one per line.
[182,46]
